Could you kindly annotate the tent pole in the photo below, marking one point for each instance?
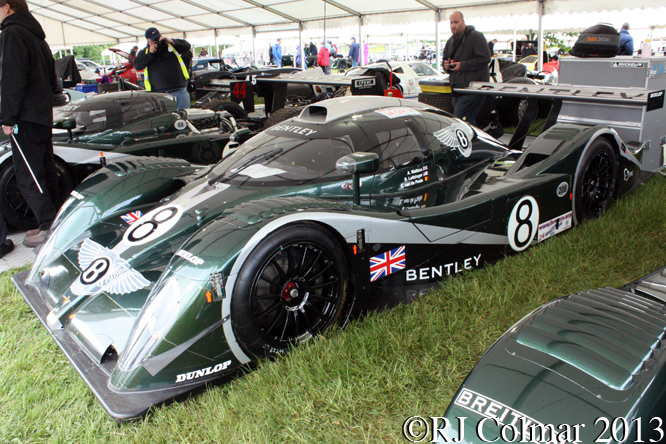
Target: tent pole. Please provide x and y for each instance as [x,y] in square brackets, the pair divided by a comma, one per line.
[515,43]
[301,49]
[540,48]
[406,42]
[254,48]
[217,48]
[438,18]
[361,50]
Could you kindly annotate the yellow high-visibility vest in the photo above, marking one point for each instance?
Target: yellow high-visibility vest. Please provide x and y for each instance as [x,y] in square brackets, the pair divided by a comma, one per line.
[180,60]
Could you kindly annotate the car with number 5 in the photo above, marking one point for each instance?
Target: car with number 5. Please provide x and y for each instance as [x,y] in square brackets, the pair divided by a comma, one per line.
[159,276]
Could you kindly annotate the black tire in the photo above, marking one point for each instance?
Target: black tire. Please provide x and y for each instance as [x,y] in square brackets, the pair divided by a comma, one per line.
[439,101]
[596,180]
[282,115]
[293,286]
[14,208]
[232,108]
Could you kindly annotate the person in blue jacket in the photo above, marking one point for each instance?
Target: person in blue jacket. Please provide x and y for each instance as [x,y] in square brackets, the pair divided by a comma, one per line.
[277,53]
[626,41]
[353,52]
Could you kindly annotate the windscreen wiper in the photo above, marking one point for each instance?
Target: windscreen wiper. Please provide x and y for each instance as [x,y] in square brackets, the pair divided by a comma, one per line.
[246,164]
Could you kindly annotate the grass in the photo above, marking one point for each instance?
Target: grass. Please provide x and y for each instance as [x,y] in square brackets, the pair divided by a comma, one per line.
[351,386]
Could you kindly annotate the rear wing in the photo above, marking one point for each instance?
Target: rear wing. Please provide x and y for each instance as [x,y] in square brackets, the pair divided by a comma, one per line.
[651,100]
[273,86]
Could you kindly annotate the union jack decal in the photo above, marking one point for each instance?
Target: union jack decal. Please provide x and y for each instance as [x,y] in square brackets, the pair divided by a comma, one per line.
[132,217]
[387,263]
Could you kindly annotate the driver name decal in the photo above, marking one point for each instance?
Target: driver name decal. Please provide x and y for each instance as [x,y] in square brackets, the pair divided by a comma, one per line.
[294,129]
[387,263]
[415,176]
[425,273]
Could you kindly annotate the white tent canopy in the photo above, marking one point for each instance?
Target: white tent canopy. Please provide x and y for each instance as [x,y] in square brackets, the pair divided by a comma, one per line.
[84,22]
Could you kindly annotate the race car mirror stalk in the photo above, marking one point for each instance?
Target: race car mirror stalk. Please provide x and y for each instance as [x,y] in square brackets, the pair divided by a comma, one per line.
[357,164]
[68,123]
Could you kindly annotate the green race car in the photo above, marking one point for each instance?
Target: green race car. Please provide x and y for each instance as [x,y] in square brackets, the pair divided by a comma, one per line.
[114,125]
[159,276]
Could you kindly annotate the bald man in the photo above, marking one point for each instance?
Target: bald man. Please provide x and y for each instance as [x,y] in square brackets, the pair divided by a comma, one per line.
[466,57]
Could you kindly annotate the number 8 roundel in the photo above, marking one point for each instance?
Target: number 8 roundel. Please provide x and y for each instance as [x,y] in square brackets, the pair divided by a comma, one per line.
[523,223]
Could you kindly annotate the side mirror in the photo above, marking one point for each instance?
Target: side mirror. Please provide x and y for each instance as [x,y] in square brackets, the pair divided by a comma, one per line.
[357,164]
[68,123]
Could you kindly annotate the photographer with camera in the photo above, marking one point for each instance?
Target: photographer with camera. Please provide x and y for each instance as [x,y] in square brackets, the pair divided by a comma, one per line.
[165,70]
[466,58]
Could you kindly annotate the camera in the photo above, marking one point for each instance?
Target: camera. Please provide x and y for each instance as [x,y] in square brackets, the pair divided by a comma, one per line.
[161,44]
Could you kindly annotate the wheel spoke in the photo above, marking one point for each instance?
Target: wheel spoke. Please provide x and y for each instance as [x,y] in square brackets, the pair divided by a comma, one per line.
[268,296]
[315,277]
[316,310]
[322,298]
[279,270]
[291,261]
[308,322]
[274,321]
[275,284]
[272,307]
[302,264]
[284,328]
[325,284]
[314,262]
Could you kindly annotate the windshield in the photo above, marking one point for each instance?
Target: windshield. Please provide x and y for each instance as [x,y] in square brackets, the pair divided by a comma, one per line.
[267,159]
[421,69]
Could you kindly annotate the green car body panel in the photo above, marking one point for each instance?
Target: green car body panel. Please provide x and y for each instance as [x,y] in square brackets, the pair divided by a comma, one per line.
[161,246]
[591,365]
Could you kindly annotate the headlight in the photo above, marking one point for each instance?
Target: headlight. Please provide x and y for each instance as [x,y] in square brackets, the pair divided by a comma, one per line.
[156,317]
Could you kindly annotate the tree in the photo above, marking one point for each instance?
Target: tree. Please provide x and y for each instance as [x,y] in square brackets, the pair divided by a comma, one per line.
[552,40]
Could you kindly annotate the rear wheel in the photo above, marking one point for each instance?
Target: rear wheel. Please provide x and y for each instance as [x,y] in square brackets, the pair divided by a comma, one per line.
[596,180]
[292,287]
[282,115]
[14,208]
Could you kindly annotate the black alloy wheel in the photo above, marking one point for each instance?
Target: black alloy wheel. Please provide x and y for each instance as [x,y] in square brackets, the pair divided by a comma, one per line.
[596,181]
[297,290]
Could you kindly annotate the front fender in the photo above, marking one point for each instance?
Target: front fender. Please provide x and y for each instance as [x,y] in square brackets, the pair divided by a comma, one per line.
[104,194]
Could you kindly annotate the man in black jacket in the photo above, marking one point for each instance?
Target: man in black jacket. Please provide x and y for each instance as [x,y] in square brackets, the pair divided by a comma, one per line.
[466,57]
[27,84]
[165,70]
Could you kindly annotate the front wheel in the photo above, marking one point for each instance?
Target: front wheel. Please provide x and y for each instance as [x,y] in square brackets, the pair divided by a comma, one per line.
[292,286]
[596,180]
[14,208]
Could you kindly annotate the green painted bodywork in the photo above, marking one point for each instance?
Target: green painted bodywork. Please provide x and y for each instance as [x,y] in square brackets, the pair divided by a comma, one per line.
[447,208]
[596,354]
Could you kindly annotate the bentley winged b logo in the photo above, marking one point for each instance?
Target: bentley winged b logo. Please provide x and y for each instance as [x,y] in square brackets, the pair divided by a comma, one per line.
[105,271]
[458,135]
